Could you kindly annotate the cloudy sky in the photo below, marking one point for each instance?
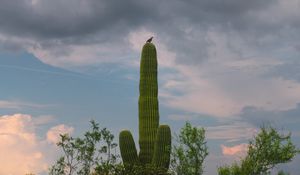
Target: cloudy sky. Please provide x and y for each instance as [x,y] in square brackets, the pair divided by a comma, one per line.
[228,66]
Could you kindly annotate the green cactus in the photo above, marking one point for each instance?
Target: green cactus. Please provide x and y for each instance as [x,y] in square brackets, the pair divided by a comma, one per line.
[162,148]
[128,150]
[154,140]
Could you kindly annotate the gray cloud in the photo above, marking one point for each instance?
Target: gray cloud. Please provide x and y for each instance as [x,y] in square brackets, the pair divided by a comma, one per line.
[289,70]
[197,31]
[287,118]
[61,19]
[262,26]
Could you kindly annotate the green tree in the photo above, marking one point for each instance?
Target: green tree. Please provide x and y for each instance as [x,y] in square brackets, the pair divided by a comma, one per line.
[82,155]
[188,156]
[268,149]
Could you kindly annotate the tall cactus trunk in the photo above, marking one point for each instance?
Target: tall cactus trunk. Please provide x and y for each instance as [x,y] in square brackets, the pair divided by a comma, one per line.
[148,103]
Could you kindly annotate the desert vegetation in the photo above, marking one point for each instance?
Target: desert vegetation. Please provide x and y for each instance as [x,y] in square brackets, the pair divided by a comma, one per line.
[96,152]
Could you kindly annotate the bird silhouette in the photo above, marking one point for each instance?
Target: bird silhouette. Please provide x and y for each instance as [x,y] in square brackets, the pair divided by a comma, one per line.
[149,40]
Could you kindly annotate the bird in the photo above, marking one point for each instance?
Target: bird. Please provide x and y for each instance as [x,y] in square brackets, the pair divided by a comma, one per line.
[149,40]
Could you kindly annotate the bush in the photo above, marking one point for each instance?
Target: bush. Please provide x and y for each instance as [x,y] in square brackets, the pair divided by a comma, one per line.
[81,155]
[188,156]
[265,151]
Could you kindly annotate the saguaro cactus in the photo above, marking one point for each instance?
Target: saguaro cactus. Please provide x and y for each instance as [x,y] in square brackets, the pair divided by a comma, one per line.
[154,140]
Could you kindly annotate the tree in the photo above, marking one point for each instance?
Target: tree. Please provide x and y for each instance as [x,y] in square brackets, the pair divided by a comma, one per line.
[188,156]
[265,151]
[82,155]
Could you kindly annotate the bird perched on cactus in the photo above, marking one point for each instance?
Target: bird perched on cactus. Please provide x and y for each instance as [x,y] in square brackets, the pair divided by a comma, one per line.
[154,139]
[149,40]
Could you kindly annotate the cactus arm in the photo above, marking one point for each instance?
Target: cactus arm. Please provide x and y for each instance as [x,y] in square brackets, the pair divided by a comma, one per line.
[162,149]
[127,148]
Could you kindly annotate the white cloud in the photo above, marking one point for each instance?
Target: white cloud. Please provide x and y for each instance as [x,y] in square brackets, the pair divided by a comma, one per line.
[228,81]
[227,95]
[125,52]
[68,56]
[8,104]
[22,150]
[225,82]
[196,94]
[281,13]
[235,131]
[214,160]
[239,150]
[230,78]
[53,134]
[137,39]
[181,117]
[19,147]
[43,119]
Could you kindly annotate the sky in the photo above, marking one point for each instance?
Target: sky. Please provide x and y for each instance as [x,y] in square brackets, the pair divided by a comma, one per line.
[228,66]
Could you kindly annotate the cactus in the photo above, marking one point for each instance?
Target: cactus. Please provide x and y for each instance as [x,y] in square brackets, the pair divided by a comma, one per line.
[154,140]
[162,149]
[128,150]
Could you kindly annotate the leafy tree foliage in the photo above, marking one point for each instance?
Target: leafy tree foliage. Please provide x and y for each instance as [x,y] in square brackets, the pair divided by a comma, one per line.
[82,155]
[93,155]
[265,151]
[188,156]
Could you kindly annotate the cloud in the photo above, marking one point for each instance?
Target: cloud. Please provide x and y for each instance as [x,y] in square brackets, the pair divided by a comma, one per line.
[9,104]
[43,119]
[215,91]
[240,149]
[75,18]
[226,59]
[53,134]
[228,82]
[214,160]
[176,117]
[21,148]
[70,18]
[100,31]
[288,70]
[94,27]
[234,131]
[216,58]
[95,30]
[282,119]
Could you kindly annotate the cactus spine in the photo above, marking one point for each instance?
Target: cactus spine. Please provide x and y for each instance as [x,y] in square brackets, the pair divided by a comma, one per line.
[154,140]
